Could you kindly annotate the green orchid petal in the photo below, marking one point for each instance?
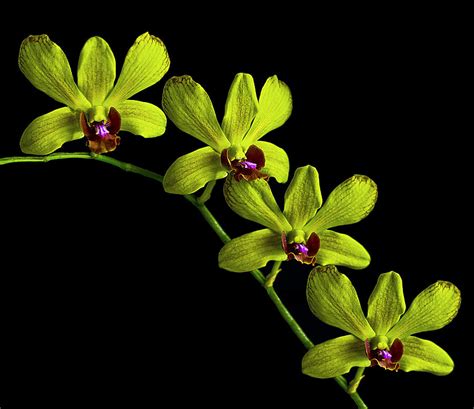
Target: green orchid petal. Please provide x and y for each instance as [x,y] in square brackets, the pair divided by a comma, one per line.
[254,201]
[188,105]
[335,357]
[277,164]
[49,132]
[142,118]
[433,308]
[348,203]
[274,108]
[333,299]
[192,171]
[302,197]
[251,251]
[145,64]
[240,108]
[341,250]
[96,70]
[425,356]
[47,68]
[386,303]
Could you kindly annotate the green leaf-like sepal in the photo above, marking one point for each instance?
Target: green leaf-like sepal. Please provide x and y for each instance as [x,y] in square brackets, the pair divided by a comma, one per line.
[335,357]
[188,105]
[425,356]
[96,70]
[274,108]
[145,64]
[46,66]
[254,201]
[341,250]
[302,197]
[251,251]
[193,171]
[50,131]
[433,308]
[333,299]
[240,108]
[277,164]
[386,303]
[348,203]
[142,118]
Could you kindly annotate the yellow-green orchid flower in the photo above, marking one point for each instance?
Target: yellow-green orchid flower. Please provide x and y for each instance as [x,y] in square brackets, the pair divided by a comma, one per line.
[234,146]
[302,231]
[385,338]
[95,108]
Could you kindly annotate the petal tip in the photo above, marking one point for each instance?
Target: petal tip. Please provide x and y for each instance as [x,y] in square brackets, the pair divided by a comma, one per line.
[98,40]
[363,179]
[36,38]
[150,38]
[39,39]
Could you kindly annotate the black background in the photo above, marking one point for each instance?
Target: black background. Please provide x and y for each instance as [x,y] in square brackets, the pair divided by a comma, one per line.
[109,288]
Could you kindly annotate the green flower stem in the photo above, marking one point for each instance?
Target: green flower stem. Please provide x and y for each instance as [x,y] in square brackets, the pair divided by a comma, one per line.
[354,384]
[216,227]
[127,167]
[206,195]
[270,279]
[209,217]
[286,315]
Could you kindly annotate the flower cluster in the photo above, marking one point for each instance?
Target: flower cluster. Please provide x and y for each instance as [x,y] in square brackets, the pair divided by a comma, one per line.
[98,107]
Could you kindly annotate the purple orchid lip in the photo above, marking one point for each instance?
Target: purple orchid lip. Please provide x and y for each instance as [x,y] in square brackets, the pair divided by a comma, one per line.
[383,354]
[248,165]
[102,136]
[101,129]
[303,252]
[248,168]
[301,248]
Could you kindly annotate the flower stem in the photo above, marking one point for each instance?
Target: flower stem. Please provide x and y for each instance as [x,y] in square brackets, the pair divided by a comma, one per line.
[206,195]
[286,315]
[127,167]
[198,202]
[354,384]
[270,279]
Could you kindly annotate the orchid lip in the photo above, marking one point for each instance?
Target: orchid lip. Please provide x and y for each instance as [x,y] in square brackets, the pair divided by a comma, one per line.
[248,165]
[248,168]
[383,354]
[304,252]
[102,136]
[101,129]
[301,248]
[387,358]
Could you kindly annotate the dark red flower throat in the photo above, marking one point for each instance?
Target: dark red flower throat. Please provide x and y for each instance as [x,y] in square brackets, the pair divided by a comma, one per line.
[303,252]
[102,136]
[248,168]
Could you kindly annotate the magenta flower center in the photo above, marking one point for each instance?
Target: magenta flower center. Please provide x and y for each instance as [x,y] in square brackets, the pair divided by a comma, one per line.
[383,354]
[102,136]
[248,168]
[300,248]
[387,358]
[101,129]
[304,252]
[246,164]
